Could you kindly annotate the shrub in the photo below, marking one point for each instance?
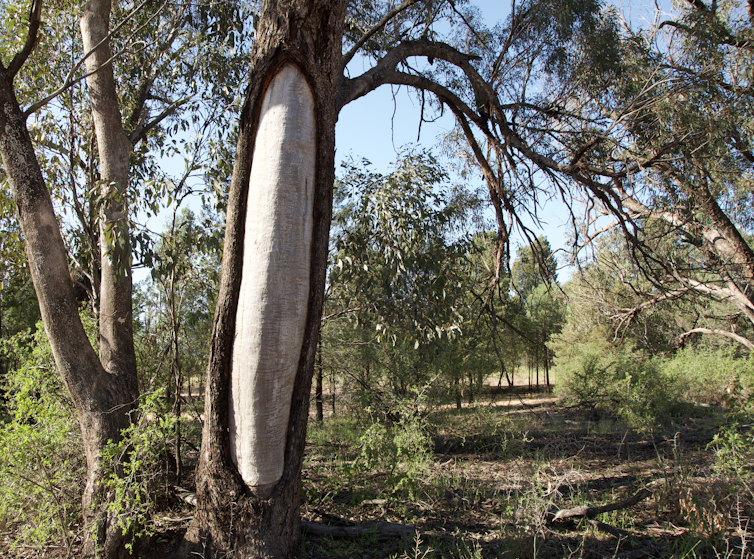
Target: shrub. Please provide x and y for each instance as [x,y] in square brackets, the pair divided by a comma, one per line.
[136,466]
[399,448]
[711,377]
[620,381]
[41,454]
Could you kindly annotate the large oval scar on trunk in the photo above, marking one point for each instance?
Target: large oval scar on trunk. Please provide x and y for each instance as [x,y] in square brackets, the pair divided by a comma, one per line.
[274,293]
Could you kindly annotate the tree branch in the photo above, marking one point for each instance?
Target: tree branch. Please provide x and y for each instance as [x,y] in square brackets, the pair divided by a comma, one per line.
[35,18]
[390,15]
[140,132]
[731,335]
[591,512]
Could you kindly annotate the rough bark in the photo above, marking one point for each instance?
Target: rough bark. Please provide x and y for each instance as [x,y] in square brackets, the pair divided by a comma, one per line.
[97,394]
[230,515]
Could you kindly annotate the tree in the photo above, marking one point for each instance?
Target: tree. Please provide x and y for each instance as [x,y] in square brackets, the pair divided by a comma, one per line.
[677,178]
[533,278]
[103,388]
[395,274]
[534,265]
[248,475]
[95,391]
[246,480]
[176,304]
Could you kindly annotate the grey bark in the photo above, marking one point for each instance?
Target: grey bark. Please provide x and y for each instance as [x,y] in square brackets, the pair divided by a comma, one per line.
[115,312]
[116,346]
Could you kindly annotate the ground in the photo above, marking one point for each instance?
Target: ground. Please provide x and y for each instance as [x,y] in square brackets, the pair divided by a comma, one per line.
[499,471]
[487,480]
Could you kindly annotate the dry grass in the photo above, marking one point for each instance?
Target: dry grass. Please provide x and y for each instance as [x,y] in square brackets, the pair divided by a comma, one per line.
[497,470]
[494,471]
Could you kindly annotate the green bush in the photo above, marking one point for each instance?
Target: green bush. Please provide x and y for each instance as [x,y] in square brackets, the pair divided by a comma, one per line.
[617,381]
[42,469]
[715,377]
[400,449]
[136,468]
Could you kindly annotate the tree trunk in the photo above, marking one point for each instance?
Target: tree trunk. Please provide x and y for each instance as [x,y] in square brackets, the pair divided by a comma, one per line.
[318,396]
[102,398]
[272,286]
[115,311]
[116,345]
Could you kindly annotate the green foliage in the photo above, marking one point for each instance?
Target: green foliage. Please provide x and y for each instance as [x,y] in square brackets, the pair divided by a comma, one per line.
[534,265]
[41,454]
[136,468]
[715,377]
[399,448]
[734,449]
[395,248]
[397,293]
[616,380]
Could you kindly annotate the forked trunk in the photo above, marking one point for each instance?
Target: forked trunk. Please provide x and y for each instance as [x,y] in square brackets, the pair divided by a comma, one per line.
[101,398]
[272,288]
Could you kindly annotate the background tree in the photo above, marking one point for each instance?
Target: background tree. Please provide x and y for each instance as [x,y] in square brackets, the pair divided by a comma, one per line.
[676,167]
[399,240]
[97,386]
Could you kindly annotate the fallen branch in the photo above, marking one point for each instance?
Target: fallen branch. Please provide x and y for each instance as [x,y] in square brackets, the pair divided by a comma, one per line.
[590,512]
[612,530]
[384,528]
[185,495]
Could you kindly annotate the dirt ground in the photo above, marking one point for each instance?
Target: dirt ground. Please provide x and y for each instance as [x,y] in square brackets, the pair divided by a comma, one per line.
[483,498]
[495,481]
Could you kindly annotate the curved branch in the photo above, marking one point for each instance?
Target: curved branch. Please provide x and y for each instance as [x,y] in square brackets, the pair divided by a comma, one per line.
[351,89]
[360,43]
[716,331]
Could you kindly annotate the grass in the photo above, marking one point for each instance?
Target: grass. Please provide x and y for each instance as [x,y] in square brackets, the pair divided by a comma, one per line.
[479,483]
[495,471]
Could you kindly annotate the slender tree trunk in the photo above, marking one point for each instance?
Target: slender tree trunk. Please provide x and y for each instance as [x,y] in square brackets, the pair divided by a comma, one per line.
[115,311]
[116,346]
[457,391]
[332,391]
[248,483]
[318,388]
